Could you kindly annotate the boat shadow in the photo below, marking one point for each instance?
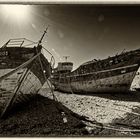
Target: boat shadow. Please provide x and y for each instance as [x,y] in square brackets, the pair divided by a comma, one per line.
[41,116]
[132,96]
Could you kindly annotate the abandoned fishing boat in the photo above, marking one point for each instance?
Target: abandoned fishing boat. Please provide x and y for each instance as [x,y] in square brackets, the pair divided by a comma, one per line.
[111,74]
[23,70]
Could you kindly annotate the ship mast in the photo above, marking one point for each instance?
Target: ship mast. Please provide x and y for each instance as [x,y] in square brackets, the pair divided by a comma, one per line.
[40,41]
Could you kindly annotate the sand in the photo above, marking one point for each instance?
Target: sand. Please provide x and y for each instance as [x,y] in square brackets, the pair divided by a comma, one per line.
[82,115]
[102,107]
[122,111]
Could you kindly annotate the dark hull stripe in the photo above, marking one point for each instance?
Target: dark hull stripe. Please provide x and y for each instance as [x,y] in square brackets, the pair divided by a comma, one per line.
[97,75]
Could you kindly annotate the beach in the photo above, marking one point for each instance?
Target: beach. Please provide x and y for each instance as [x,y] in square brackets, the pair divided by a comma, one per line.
[74,115]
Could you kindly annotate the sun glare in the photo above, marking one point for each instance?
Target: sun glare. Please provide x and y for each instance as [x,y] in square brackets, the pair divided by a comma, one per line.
[16,12]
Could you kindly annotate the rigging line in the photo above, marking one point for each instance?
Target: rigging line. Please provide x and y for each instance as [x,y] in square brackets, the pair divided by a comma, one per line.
[49,53]
[46,79]
[30,40]
[50,87]
[52,91]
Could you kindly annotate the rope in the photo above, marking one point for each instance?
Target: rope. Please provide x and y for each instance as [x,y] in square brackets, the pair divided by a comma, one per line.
[52,91]
[30,40]
[50,54]
[50,87]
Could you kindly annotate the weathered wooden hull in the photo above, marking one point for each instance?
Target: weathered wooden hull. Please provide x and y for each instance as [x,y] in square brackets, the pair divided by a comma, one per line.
[19,77]
[8,86]
[117,79]
[15,87]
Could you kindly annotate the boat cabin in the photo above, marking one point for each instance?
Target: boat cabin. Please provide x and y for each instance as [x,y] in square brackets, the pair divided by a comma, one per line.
[63,67]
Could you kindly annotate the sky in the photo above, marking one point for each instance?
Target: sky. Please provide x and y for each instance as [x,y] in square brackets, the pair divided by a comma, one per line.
[83,32]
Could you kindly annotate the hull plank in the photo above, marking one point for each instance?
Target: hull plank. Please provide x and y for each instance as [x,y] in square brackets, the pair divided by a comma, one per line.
[31,84]
[11,81]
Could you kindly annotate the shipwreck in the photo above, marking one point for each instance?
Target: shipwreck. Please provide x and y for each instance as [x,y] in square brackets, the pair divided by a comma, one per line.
[114,73]
[23,70]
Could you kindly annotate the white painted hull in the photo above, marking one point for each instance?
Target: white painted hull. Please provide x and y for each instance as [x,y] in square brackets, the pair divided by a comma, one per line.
[121,82]
[115,83]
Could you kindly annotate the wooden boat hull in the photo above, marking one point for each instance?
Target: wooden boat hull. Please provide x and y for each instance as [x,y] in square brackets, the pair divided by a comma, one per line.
[117,80]
[26,80]
[8,86]
[22,71]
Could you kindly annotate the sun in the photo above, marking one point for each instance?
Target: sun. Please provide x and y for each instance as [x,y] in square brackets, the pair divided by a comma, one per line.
[16,12]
